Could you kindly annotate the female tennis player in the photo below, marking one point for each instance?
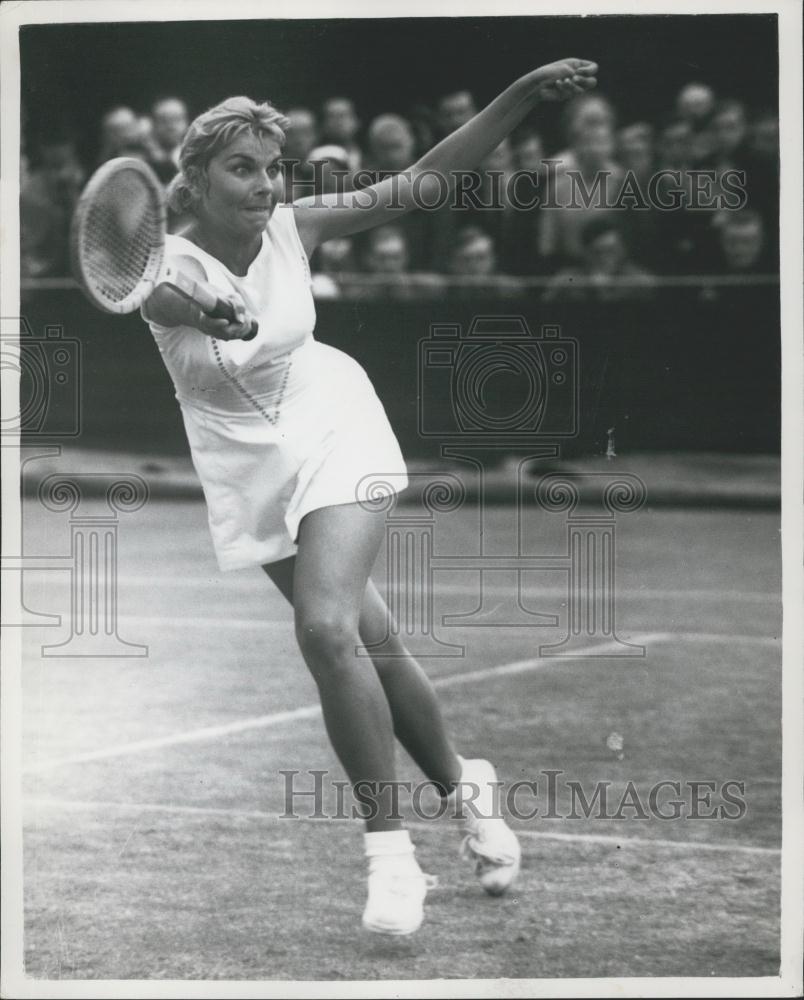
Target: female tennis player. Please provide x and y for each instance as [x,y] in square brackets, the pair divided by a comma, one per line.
[293,449]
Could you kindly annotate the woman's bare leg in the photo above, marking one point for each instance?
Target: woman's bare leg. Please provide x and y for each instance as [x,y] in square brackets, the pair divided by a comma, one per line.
[417,720]
[337,547]
[418,723]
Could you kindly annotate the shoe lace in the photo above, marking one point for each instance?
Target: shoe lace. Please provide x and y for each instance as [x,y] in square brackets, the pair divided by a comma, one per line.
[473,848]
[400,883]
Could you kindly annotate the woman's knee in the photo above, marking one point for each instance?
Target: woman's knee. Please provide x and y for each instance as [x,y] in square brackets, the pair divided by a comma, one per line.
[326,638]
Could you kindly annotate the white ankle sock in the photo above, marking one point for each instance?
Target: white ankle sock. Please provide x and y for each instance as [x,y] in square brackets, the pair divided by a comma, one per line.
[452,797]
[388,843]
[480,796]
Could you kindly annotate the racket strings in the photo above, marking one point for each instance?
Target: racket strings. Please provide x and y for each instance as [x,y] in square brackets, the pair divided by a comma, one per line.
[121,237]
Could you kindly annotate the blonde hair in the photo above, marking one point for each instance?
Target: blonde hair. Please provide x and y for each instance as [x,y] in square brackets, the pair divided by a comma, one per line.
[212,131]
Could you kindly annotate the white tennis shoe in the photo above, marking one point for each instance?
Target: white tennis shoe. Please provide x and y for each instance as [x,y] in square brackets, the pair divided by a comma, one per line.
[488,841]
[396,893]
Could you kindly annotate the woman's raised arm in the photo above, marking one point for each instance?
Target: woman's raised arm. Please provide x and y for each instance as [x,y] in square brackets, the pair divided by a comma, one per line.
[324,217]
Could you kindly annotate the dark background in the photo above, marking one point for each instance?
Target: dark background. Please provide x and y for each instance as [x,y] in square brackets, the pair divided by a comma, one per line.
[687,371]
[71,73]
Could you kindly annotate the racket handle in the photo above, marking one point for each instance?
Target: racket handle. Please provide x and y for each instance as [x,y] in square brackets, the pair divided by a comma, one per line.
[201,293]
[225,310]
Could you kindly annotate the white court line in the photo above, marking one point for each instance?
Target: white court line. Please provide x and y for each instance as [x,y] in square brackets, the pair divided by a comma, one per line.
[743,640]
[311,711]
[305,712]
[628,593]
[258,814]
[244,624]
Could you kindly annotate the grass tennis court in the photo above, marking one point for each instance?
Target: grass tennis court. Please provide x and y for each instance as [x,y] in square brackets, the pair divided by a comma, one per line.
[154,845]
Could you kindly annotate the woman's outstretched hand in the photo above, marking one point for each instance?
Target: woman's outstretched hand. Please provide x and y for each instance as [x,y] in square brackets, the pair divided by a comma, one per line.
[566,78]
[225,329]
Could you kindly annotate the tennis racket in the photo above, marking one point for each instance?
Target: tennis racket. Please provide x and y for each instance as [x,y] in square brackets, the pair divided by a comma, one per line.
[117,244]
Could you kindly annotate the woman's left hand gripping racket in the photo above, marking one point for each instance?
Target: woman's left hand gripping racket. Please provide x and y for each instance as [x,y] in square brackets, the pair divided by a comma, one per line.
[117,244]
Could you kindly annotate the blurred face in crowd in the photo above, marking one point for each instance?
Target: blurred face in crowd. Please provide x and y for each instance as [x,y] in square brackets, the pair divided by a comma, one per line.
[60,168]
[455,110]
[605,254]
[336,255]
[119,127]
[674,145]
[729,129]
[340,123]
[594,145]
[475,257]
[695,102]
[702,144]
[391,144]
[170,122]
[588,112]
[529,153]
[636,147]
[300,134]
[332,171]
[741,241]
[765,136]
[387,254]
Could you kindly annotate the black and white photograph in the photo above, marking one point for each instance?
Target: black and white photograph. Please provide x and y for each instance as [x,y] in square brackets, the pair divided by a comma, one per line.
[402,474]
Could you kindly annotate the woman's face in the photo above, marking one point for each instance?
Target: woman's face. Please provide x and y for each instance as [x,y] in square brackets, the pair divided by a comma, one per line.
[244,185]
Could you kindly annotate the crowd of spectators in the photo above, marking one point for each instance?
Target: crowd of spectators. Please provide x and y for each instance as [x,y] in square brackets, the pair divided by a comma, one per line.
[611,248]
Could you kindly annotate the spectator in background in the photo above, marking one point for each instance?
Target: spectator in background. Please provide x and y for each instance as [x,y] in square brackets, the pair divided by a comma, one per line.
[520,250]
[423,122]
[695,103]
[339,127]
[528,151]
[453,110]
[330,169]
[391,144]
[763,191]
[386,251]
[741,242]
[674,150]
[584,113]
[386,258]
[391,148]
[336,257]
[48,196]
[488,208]
[473,266]
[473,255]
[635,151]
[729,132]
[606,274]
[589,158]
[331,261]
[763,138]
[120,127]
[170,122]
[301,139]
[678,232]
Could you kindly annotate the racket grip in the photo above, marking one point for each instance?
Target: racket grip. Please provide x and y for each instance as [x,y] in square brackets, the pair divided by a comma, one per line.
[225,310]
[204,296]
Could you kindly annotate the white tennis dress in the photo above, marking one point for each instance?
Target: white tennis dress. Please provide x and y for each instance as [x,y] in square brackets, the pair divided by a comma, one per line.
[280,425]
